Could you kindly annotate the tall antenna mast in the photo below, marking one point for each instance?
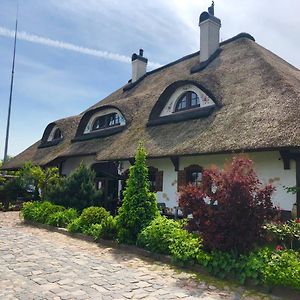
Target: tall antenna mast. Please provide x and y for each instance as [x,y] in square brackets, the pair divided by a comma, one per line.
[11,88]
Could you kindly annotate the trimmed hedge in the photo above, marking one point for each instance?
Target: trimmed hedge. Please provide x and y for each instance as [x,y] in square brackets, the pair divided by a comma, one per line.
[47,213]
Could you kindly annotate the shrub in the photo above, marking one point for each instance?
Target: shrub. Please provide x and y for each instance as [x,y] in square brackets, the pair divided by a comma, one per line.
[93,215]
[287,233]
[283,268]
[185,247]
[230,207]
[89,217]
[108,228]
[39,211]
[74,226]
[62,218]
[93,231]
[158,235]
[139,206]
[168,237]
[78,190]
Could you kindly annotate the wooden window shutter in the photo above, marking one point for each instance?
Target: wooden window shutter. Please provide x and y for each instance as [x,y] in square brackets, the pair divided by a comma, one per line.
[159,181]
[181,179]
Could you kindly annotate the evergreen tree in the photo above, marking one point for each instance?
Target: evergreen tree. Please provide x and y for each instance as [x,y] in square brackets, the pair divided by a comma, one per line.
[78,190]
[139,206]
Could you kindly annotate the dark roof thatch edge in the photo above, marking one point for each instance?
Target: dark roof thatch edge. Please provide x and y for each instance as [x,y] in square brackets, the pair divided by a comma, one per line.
[238,36]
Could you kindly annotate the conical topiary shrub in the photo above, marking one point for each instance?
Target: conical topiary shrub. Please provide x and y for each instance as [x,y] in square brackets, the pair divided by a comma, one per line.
[139,206]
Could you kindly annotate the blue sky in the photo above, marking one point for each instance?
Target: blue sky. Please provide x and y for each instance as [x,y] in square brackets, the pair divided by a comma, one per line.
[54,82]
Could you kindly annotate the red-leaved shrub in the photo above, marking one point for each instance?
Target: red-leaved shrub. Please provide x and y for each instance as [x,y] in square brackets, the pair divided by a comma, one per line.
[230,206]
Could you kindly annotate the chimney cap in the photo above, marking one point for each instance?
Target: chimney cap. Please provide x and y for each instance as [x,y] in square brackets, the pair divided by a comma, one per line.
[139,56]
[210,15]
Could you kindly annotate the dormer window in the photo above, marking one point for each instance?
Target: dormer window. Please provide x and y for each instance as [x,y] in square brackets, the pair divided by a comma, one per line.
[187,101]
[100,122]
[52,136]
[182,100]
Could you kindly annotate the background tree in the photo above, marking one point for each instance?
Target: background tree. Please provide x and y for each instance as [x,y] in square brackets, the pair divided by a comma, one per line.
[78,190]
[38,180]
[139,206]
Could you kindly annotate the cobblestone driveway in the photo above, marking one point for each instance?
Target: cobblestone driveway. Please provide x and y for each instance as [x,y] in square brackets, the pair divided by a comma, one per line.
[39,264]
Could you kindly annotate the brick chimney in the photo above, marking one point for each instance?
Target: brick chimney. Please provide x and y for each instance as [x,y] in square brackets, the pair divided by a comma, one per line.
[139,65]
[209,33]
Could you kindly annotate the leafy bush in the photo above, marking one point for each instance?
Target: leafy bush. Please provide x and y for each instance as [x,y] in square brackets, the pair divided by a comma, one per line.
[62,218]
[185,246]
[108,228]
[139,206]
[40,211]
[94,231]
[287,233]
[90,216]
[230,207]
[158,235]
[283,269]
[93,215]
[168,237]
[75,225]
[78,190]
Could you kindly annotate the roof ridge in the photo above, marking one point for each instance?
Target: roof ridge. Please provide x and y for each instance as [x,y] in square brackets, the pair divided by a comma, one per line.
[232,39]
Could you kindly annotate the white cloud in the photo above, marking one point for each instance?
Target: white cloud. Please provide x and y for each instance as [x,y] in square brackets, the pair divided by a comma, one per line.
[23,35]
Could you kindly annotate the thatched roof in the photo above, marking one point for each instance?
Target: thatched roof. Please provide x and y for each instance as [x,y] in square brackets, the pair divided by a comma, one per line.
[258,108]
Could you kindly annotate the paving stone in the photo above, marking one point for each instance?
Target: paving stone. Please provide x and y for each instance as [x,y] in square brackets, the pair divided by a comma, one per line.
[40,264]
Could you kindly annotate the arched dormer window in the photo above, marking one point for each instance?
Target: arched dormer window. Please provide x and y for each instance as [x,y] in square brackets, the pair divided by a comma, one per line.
[188,100]
[180,101]
[100,122]
[52,136]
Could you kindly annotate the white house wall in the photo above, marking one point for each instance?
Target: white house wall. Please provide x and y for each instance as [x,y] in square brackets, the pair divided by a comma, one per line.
[73,162]
[268,166]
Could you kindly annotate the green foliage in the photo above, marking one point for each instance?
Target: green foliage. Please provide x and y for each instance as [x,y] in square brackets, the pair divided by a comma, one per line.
[94,231]
[62,218]
[74,226]
[40,211]
[139,206]
[108,228]
[38,179]
[283,269]
[292,189]
[168,237]
[158,235]
[261,266]
[185,247]
[93,215]
[85,223]
[287,234]
[78,190]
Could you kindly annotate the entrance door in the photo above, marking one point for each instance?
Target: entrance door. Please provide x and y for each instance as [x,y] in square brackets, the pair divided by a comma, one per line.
[107,182]
[109,193]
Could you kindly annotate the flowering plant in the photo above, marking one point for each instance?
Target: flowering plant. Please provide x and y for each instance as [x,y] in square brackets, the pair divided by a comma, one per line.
[288,233]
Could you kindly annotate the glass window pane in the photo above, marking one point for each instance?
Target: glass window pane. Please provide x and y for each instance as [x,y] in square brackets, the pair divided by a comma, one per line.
[99,123]
[194,100]
[182,103]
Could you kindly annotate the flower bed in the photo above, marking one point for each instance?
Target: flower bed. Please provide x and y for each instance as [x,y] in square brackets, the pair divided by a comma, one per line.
[231,214]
